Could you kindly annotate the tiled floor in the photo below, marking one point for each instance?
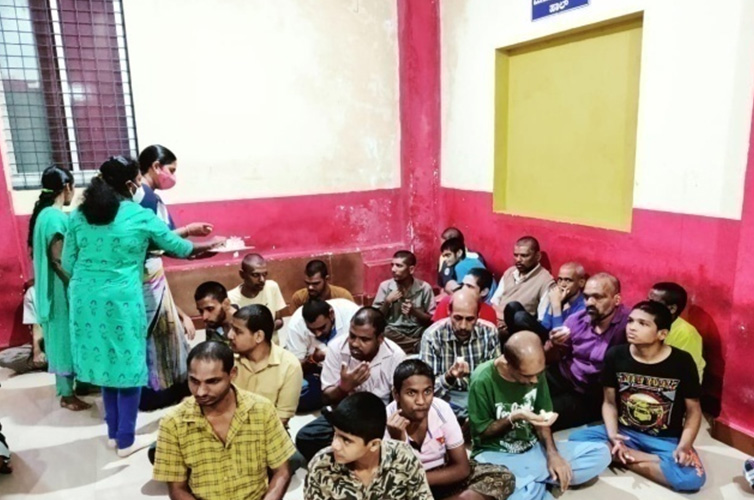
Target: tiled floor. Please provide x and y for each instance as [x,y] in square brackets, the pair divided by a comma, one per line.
[62,455]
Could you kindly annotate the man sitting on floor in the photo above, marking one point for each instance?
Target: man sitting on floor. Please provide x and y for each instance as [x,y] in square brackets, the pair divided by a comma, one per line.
[454,232]
[527,283]
[457,265]
[362,361]
[479,280]
[427,424]
[310,330]
[257,289]
[509,407]
[454,347]
[651,410]
[263,367]
[215,309]
[318,286]
[406,302]
[360,465]
[565,299]
[682,334]
[205,443]
[577,352]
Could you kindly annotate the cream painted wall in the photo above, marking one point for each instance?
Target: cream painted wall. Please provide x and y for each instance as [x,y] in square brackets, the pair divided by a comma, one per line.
[260,98]
[696,94]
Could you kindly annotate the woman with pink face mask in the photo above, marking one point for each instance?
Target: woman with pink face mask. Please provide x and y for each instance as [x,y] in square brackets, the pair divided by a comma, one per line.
[169,327]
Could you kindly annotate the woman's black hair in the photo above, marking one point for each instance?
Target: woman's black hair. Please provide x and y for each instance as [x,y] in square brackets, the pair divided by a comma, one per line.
[54,181]
[103,196]
[154,153]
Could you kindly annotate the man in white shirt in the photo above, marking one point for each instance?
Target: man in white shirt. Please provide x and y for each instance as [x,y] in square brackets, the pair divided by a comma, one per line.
[257,289]
[311,329]
[362,361]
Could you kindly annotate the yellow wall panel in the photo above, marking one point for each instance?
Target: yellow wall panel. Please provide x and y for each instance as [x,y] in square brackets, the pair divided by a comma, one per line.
[565,127]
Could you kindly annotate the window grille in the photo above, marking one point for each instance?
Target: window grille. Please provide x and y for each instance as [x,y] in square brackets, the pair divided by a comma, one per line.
[65,91]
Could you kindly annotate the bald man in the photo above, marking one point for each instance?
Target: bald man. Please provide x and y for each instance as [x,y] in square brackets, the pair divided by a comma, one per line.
[577,352]
[257,289]
[456,345]
[565,299]
[510,412]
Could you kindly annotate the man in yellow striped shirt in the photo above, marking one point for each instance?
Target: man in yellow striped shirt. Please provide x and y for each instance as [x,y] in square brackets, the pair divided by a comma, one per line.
[220,443]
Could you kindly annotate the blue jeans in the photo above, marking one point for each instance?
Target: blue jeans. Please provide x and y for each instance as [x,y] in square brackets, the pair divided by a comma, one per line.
[311,393]
[587,461]
[121,408]
[680,478]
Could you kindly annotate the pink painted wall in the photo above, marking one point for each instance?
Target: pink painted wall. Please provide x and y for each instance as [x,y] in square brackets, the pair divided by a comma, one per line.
[419,60]
[12,255]
[298,224]
[738,338]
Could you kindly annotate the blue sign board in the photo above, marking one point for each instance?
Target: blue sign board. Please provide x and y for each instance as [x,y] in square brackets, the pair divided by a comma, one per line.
[544,8]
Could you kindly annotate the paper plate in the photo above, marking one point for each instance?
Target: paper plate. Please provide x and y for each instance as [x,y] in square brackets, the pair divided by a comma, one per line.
[229,250]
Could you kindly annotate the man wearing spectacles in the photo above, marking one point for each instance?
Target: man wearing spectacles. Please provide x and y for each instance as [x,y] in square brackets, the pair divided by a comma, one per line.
[257,289]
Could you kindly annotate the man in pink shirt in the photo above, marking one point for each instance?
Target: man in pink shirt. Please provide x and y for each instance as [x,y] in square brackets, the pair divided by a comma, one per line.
[429,426]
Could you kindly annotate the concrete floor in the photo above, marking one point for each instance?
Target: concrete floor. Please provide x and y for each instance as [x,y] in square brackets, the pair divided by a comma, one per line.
[58,454]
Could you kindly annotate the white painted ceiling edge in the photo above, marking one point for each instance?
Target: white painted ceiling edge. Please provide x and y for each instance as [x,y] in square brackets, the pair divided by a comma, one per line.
[696,95]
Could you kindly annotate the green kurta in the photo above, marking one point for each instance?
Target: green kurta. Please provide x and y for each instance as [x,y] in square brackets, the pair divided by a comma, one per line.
[107,318]
[50,299]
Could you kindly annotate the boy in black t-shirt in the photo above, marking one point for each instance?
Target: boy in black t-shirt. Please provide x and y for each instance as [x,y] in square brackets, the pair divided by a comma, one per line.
[651,404]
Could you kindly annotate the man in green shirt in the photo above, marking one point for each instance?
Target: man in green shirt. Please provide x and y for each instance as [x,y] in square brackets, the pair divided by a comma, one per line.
[682,334]
[511,414]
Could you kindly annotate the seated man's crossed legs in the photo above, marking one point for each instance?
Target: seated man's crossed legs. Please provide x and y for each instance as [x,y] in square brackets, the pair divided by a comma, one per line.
[651,457]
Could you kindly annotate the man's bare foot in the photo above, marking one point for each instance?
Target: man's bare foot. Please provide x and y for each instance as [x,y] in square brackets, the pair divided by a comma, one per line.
[74,404]
[636,457]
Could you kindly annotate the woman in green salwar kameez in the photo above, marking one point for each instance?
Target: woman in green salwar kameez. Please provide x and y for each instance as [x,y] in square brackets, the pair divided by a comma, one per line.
[107,242]
[47,229]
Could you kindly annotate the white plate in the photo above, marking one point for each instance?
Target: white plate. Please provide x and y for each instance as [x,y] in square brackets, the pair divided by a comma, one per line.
[229,250]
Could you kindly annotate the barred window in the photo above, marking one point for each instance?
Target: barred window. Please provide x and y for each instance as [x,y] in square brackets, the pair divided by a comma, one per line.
[65,91]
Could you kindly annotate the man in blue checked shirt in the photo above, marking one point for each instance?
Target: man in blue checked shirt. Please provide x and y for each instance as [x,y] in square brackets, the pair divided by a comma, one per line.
[455,346]
[566,298]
